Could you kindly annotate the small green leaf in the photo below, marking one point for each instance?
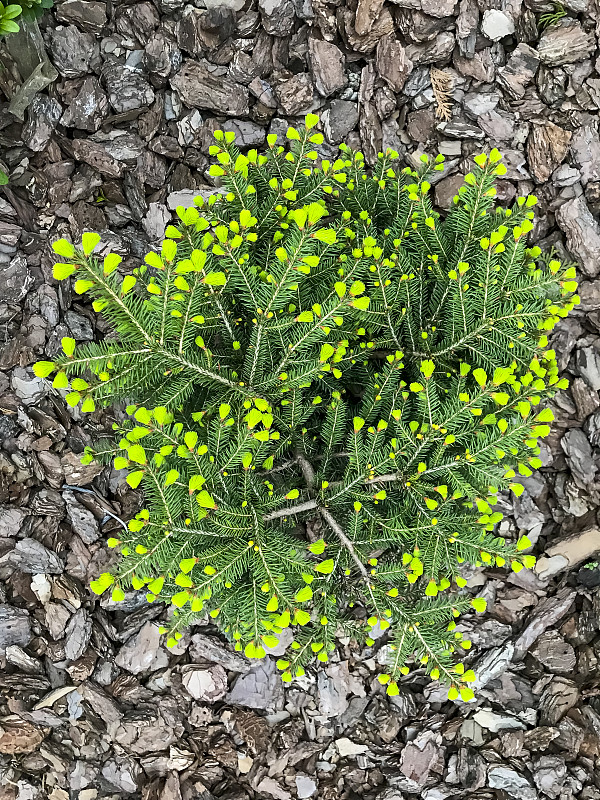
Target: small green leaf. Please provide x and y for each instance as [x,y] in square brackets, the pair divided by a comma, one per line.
[545,415]
[169,250]
[427,368]
[117,594]
[196,482]
[60,381]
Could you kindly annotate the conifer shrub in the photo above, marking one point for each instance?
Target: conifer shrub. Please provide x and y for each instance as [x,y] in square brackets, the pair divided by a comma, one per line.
[328,386]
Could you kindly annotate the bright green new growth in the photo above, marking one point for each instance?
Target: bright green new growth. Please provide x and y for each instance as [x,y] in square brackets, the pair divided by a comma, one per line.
[329,385]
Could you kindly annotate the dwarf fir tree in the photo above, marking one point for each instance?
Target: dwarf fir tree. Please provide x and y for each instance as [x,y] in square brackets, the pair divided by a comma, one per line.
[328,387]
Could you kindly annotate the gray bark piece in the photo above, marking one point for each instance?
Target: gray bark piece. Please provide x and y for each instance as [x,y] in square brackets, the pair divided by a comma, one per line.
[198,88]
[569,552]
[327,65]
[78,634]
[296,95]
[549,775]
[565,43]
[554,653]
[31,557]
[512,783]
[492,665]
[143,652]
[104,706]
[43,116]
[207,684]
[367,12]
[82,520]
[87,109]
[247,133]
[127,88]
[585,147]
[432,52]
[338,120]
[497,24]
[260,688]
[72,52]
[519,71]
[15,277]
[11,520]
[209,649]
[96,156]
[27,387]
[547,147]
[88,14]
[438,8]
[546,614]
[277,16]
[15,628]
[583,234]
[365,42]
[579,456]
[393,65]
